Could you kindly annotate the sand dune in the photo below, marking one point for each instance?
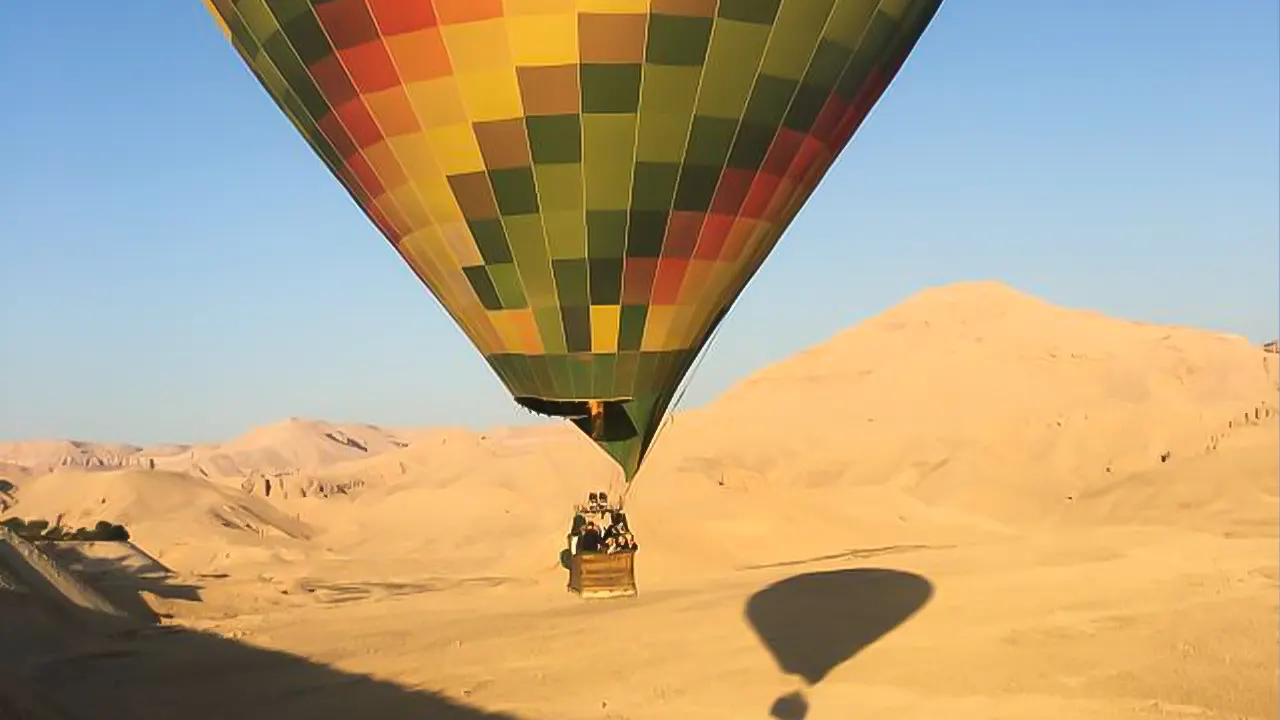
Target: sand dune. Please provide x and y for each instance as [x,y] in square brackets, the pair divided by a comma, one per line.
[976,505]
[40,456]
[192,523]
[1239,496]
[980,398]
[293,445]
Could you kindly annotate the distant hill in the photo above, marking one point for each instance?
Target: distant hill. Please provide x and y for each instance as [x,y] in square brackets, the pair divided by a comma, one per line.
[291,448]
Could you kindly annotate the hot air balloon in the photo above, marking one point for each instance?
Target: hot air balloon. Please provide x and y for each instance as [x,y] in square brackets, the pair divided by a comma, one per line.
[586,186]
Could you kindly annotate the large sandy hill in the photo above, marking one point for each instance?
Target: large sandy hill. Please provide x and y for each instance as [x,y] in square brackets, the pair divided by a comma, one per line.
[975,505]
[979,397]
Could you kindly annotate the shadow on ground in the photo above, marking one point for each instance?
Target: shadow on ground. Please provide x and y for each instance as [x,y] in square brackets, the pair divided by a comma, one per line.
[75,663]
[812,623]
[122,576]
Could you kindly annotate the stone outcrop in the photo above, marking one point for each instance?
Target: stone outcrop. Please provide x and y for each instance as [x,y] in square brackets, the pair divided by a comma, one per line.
[284,485]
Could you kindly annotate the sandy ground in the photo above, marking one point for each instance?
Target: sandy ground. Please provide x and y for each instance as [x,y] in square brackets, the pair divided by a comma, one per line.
[975,506]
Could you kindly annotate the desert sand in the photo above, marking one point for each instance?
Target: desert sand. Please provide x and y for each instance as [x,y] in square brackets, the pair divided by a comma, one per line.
[974,506]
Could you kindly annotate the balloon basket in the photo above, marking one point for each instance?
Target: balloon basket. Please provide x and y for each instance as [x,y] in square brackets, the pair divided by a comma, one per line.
[607,572]
[596,576]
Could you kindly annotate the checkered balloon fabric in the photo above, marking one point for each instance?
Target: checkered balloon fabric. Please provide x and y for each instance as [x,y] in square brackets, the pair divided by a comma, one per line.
[585,185]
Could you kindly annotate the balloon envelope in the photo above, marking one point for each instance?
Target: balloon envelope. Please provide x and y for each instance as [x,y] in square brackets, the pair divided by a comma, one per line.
[585,185]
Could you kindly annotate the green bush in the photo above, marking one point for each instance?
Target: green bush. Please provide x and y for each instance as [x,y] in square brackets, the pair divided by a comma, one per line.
[114,533]
[38,529]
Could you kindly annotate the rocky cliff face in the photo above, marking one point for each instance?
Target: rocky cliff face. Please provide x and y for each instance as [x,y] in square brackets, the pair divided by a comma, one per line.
[285,485]
[285,460]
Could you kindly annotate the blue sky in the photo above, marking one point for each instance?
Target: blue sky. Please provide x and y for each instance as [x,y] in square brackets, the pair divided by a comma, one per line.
[177,266]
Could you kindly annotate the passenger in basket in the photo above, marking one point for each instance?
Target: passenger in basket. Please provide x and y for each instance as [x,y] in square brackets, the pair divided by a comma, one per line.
[590,540]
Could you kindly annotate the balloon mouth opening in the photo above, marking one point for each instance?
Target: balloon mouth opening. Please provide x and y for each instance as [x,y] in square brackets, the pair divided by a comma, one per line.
[600,420]
[571,409]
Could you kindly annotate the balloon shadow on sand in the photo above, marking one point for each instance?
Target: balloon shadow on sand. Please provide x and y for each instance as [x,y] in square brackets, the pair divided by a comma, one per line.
[812,623]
